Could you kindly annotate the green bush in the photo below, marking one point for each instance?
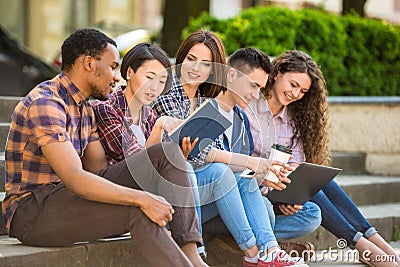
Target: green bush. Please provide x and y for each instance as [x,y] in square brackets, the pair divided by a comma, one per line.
[358,56]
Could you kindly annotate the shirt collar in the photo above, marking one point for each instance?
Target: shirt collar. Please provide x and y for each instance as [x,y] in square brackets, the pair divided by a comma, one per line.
[283,115]
[262,104]
[177,91]
[263,107]
[120,98]
[71,88]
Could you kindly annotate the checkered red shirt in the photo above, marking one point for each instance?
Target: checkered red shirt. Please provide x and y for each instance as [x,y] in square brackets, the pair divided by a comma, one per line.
[54,111]
[114,120]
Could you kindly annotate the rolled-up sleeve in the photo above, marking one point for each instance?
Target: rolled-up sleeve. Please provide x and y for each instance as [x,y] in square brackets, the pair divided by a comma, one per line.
[47,120]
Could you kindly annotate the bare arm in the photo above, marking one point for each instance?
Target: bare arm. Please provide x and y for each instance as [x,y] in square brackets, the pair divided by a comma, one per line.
[242,161]
[162,123]
[156,133]
[168,124]
[260,165]
[66,163]
[94,158]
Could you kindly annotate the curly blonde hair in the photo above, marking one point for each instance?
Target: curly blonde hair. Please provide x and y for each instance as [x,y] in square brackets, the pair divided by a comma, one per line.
[309,115]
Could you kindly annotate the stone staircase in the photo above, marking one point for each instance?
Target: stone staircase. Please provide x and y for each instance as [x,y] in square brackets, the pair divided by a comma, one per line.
[377,197]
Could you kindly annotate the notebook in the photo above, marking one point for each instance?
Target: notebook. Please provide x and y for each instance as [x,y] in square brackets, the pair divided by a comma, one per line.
[307,179]
[206,123]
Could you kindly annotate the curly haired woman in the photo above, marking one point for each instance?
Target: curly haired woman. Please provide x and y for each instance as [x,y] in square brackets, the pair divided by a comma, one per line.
[296,103]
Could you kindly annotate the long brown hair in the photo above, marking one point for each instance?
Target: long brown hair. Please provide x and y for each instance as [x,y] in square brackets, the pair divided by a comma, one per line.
[216,82]
[309,115]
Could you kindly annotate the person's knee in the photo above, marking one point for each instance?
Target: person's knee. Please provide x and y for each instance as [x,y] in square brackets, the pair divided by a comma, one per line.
[138,221]
[312,213]
[167,153]
[221,170]
[270,210]
[165,148]
[220,167]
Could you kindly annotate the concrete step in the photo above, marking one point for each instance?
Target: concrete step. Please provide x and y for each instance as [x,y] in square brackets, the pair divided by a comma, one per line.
[369,189]
[2,173]
[227,254]
[107,252]
[3,230]
[384,217]
[352,163]
[342,257]
[7,105]
[4,128]
[119,252]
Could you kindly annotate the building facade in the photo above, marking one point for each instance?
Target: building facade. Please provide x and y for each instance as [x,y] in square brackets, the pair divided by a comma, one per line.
[42,25]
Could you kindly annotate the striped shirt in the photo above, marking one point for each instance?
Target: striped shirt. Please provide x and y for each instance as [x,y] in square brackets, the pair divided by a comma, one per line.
[54,111]
[114,120]
[268,129]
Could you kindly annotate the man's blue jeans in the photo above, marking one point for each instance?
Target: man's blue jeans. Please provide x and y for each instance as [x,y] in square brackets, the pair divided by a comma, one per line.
[340,215]
[239,204]
[304,222]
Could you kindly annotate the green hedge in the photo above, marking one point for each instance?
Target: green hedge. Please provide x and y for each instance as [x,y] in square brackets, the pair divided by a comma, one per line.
[358,56]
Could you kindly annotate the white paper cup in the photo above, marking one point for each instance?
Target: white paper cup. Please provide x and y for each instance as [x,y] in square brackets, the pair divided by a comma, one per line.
[278,153]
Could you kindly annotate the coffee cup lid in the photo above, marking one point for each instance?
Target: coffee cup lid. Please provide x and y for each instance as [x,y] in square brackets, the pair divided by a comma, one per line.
[282,148]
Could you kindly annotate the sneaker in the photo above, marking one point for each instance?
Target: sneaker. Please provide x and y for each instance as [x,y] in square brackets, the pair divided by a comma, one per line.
[298,249]
[279,258]
[202,252]
[249,264]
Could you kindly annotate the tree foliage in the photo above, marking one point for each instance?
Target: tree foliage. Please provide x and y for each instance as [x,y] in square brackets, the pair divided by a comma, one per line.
[358,56]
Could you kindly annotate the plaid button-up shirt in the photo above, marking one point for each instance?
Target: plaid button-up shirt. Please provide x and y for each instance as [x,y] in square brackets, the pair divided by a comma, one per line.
[114,120]
[55,111]
[176,104]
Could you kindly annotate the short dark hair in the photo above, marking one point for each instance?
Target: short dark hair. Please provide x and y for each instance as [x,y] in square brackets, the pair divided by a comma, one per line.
[89,42]
[143,52]
[247,59]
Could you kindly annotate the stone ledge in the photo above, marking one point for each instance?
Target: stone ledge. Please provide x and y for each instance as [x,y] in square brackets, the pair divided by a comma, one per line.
[4,128]
[351,163]
[111,252]
[384,217]
[370,190]
[7,105]
[387,100]
[2,173]
[120,252]
[369,128]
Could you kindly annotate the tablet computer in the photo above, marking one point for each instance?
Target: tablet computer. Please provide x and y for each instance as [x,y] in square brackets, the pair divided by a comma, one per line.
[307,179]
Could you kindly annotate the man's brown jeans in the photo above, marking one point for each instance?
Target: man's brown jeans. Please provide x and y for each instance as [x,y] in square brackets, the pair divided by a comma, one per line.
[53,216]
